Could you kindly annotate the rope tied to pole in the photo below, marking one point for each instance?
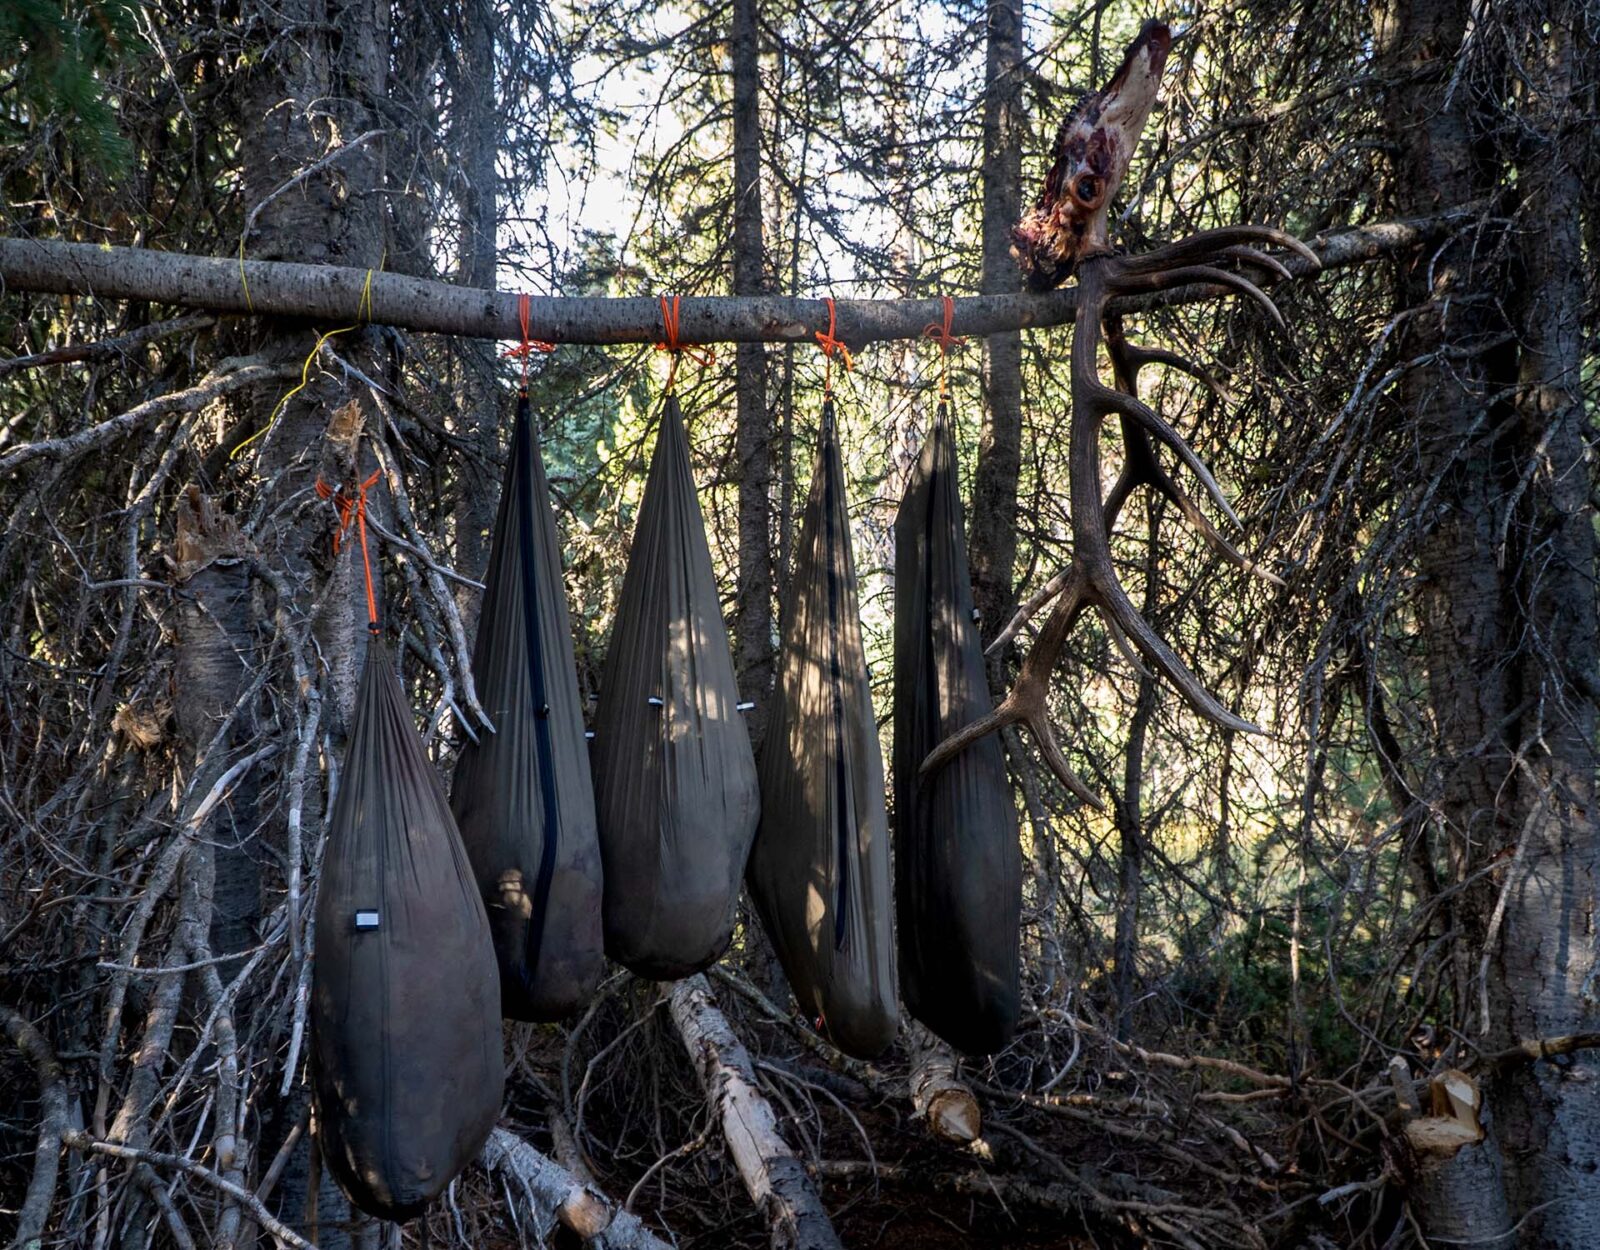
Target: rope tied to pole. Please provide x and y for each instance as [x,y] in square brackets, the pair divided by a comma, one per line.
[832,346]
[941,335]
[349,510]
[529,344]
[363,317]
[672,342]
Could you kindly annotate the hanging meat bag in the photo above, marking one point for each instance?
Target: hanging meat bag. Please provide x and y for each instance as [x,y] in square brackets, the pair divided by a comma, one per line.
[522,793]
[957,860]
[819,871]
[675,779]
[406,1061]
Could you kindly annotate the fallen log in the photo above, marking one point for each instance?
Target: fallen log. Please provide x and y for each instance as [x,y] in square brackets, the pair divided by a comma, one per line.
[554,1194]
[941,1100]
[772,1173]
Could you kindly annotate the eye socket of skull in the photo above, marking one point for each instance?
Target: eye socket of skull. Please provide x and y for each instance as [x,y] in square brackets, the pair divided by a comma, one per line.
[1086,190]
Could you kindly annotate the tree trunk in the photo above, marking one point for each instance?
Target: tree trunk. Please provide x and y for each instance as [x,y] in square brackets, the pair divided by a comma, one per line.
[993,550]
[755,655]
[476,128]
[212,665]
[1507,593]
[307,98]
[1542,981]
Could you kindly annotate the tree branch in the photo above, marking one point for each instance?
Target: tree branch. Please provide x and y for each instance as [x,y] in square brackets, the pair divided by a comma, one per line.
[228,377]
[106,349]
[554,1193]
[35,1212]
[157,1158]
[332,292]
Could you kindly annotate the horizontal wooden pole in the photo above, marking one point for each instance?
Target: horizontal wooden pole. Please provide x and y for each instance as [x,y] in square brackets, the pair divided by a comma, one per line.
[331,293]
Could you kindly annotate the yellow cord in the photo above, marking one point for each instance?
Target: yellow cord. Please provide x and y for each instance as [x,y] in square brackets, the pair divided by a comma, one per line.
[363,315]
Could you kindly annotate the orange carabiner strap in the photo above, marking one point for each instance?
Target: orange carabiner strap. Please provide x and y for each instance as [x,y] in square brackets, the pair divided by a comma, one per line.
[355,510]
[832,346]
[941,335]
[673,342]
[529,345]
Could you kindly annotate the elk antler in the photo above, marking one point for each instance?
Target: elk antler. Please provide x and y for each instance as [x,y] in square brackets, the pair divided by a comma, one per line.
[1062,234]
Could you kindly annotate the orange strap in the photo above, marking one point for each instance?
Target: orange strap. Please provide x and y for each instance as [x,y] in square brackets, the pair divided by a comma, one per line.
[671,342]
[355,509]
[941,335]
[528,345]
[832,346]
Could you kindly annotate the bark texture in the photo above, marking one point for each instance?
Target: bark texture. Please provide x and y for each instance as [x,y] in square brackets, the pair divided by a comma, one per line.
[212,665]
[944,1102]
[334,293]
[772,1173]
[753,438]
[477,130]
[994,491]
[1507,564]
[313,161]
[554,1195]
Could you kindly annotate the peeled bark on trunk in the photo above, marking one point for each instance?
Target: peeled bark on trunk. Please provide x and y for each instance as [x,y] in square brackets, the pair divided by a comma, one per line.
[939,1097]
[556,1195]
[755,653]
[212,664]
[772,1172]
[993,548]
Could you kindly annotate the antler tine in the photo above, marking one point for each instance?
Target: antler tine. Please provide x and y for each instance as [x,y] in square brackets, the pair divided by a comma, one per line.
[1137,357]
[1209,243]
[1036,602]
[1006,713]
[1140,464]
[1114,601]
[1026,704]
[1185,275]
[1116,401]
[1257,259]
[1045,736]
[1163,482]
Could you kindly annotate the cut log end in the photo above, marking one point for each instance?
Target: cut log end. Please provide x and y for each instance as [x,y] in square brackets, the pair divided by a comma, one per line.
[954,1115]
[938,1096]
[585,1214]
